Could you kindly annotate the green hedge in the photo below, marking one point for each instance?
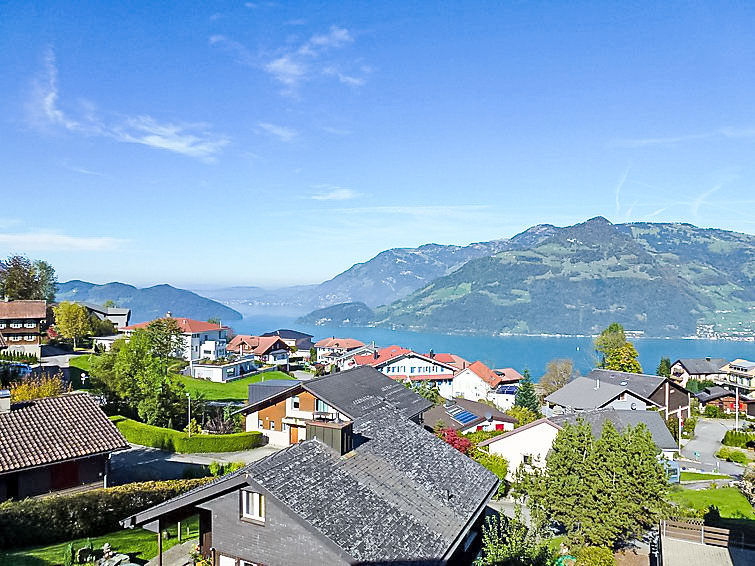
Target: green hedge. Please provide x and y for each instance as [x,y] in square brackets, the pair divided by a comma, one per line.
[91,513]
[739,439]
[176,441]
[731,455]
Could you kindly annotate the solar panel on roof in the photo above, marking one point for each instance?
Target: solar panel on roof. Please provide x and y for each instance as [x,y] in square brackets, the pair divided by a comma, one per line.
[507,390]
[465,417]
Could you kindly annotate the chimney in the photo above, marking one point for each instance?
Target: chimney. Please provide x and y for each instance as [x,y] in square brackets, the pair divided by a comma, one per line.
[597,382]
[707,358]
[375,355]
[168,314]
[336,435]
[432,354]
[4,401]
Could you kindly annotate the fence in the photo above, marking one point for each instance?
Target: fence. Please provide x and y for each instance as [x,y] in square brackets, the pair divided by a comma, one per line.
[697,531]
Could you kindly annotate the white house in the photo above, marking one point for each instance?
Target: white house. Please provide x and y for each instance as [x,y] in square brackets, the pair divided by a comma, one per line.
[402,364]
[466,416]
[701,369]
[331,348]
[528,445]
[478,382]
[267,349]
[222,372]
[202,340]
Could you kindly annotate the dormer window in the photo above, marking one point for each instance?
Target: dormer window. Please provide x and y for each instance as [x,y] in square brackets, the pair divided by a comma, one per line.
[253,506]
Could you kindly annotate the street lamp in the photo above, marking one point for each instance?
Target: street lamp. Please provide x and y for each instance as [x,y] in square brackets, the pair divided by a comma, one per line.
[188,396]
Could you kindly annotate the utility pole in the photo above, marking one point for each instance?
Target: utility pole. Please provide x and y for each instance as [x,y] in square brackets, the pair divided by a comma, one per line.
[679,414]
[736,408]
[188,396]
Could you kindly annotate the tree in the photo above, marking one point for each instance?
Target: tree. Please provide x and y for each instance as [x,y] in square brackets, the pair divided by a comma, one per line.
[509,542]
[624,358]
[165,339]
[101,326]
[109,304]
[664,368]
[558,373]
[312,355]
[525,394]
[72,321]
[698,385]
[37,388]
[523,415]
[22,279]
[214,320]
[610,340]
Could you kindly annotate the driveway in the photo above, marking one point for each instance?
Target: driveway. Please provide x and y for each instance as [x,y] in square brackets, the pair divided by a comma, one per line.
[707,441]
[140,463]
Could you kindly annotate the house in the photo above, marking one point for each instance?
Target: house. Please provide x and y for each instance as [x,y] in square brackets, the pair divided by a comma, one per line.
[280,409]
[348,360]
[477,381]
[466,416]
[328,349]
[529,444]
[741,373]
[202,340]
[724,399]
[376,490]
[21,324]
[700,369]
[750,404]
[299,343]
[221,371]
[53,444]
[118,316]
[603,388]
[268,349]
[403,364]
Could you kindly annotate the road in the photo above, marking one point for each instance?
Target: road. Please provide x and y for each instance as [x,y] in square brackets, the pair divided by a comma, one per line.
[707,441]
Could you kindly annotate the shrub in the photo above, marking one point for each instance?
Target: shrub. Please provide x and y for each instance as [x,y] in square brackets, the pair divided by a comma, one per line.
[92,513]
[738,439]
[496,464]
[713,412]
[595,556]
[455,439]
[732,455]
[175,441]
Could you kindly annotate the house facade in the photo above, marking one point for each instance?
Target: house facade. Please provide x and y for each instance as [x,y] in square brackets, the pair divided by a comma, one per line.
[21,324]
[700,369]
[299,343]
[220,372]
[478,382]
[328,349]
[740,373]
[267,349]
[464,415]
[118,316]
[202,340]
[724,399]
[402,364]
[53,444]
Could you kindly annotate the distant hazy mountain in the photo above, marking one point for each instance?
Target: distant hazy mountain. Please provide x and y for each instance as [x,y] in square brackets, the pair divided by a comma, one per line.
[343,314]
[663,279]
[147,303]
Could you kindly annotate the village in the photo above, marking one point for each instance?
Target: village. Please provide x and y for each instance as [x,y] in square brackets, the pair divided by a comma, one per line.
[304,440]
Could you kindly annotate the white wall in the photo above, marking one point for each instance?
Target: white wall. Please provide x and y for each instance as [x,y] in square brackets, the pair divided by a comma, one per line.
[467,384]
[490,425]
[414,366]
[535,441]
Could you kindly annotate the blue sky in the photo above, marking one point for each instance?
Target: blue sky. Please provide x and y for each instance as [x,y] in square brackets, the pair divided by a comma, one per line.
[267,143]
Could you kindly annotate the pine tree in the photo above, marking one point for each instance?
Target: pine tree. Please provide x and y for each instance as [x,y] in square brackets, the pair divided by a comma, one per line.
[664,368]
[525,394]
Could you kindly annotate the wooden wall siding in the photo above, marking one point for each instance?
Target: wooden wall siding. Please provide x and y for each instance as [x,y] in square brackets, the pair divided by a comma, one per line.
[306,401]
[273,413]
[675,400]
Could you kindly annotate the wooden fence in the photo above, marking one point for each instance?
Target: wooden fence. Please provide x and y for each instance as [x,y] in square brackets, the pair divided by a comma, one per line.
[696,531]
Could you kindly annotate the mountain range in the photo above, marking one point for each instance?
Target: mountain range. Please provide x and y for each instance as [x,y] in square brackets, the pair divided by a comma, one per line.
[147,303]
[663,279]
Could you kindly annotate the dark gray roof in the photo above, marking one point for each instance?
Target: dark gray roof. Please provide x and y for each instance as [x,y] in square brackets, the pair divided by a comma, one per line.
[359,391]
[263,390]
[288,334]
[698,366]
[640,383]
[621,419]
[55,429]
[582,393]
[402,494]
[713,393]
[482,411]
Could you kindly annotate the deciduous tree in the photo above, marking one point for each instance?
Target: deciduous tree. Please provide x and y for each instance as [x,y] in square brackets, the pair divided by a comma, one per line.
[72,321]
[23,279]
[165,339]
[557,374]
[624,358]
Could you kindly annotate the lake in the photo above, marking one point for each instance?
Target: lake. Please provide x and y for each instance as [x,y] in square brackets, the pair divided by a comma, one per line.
[519,352]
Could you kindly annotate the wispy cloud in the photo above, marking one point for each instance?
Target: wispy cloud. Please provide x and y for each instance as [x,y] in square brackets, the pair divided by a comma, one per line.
[192,140]
[335,193]
[54,242]
[238,50]
[343,78]
[283,133]
[76,169]
[335,131]
[727,132]
[700,199]
[619,186]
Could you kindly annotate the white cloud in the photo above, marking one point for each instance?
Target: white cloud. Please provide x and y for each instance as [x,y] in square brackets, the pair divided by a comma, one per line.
[343,78]
[336,37]
[82,170]
[192,140]
[287,70]
[54,242]
[336,193]
[700,199]
[283,133]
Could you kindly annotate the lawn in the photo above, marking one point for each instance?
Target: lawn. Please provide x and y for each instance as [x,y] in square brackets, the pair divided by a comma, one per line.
[237,390]
[729,500]
[698,476]
[140,544]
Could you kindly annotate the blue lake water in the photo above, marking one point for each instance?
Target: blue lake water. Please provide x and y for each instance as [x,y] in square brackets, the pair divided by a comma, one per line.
[519,352]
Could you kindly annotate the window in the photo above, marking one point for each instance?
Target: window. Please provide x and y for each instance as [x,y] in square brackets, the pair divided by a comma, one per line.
[321,406]
[253,505]
[2,324]
[30,324]
[284,427]
[272,425]
[15,324]
[262,425]
[295,401]
[527,459]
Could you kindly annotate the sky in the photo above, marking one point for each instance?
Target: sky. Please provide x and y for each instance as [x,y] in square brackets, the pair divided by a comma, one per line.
[275,143]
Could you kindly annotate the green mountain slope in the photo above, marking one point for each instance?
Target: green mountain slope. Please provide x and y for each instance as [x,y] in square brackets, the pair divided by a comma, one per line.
[662,279]
[147,303]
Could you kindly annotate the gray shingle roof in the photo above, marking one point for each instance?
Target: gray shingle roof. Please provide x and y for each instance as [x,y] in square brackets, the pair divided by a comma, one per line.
[713,393]
[640,383]
[480,410]
[698,366]
[359,391]
[263,390]
[582,393]
[621,419]
[55,429]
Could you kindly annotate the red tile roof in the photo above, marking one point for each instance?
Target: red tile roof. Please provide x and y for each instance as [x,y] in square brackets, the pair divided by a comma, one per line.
[451,359]
[257,345]
[381,356]
[23,309]
[344,343]
[187,325]
[509,375]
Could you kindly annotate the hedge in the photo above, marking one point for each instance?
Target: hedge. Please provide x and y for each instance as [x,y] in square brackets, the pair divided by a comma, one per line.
[96,512]
[176,441]
[738,439]
[731,455]
[595,556]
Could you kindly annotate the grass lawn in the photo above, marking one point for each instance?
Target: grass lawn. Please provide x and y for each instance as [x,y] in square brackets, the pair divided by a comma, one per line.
[698,476]
[231,391]
[81,362]
[141,545]
[729,500]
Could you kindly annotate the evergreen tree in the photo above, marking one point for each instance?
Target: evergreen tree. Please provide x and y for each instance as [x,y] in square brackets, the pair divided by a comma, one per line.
[664,368]
[525,394]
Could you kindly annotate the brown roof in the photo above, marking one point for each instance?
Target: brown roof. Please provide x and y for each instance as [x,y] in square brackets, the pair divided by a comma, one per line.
[345,343]
[23,309]
[55,429]
[187,325]
[258,345]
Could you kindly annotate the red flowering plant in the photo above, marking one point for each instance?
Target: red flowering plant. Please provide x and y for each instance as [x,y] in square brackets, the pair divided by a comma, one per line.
[456,440]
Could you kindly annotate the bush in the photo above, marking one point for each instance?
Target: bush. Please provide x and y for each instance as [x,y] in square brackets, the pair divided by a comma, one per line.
[595,556]
[713,412]
[175,441]
[496,464]
[731,455]
[92,513]
[738,439]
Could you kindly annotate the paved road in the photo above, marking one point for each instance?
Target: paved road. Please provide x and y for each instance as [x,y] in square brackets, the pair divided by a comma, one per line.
[140,463]
[707,441]
[684,553]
